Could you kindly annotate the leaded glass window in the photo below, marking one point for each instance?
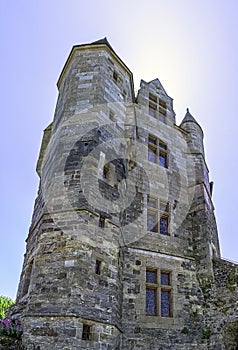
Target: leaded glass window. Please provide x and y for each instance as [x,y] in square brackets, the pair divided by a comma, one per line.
[151,276]
[165,303]
[151,302]
[164,225]
[165,278]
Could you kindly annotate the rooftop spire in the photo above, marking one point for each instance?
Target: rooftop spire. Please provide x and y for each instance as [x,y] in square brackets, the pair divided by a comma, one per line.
[188,117]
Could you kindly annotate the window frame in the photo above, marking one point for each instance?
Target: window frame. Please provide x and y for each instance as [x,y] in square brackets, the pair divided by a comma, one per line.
[159,212]
[154,287]
[158,149]
[159,288]
[87,332]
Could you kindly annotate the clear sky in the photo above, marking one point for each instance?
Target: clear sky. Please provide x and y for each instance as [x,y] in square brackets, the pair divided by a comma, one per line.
[191,46]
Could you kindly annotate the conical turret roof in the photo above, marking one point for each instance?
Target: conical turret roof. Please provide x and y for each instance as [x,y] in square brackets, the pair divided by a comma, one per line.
[188,118]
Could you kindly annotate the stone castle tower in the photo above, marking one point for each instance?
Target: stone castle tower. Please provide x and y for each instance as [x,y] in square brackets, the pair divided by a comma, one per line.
[123,249]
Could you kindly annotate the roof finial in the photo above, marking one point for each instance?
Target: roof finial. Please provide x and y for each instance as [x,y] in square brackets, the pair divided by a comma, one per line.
[187,110]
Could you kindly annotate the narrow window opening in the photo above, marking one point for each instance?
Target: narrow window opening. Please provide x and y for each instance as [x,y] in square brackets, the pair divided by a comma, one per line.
[98,265]
[87,332]
[151,292]
[152,214]
[165,294]
[164,218]
[101,222]
[115,76]
[106,172]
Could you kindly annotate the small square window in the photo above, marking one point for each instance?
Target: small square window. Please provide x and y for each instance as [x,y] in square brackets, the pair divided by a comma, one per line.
[87,332]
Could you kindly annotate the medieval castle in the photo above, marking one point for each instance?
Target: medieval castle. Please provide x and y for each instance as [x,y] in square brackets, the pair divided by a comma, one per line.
[123,250]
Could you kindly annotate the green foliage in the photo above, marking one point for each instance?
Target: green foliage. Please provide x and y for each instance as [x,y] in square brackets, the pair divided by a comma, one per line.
[220,302]
[232,282]
[5,303]
[185,330]
[206,333]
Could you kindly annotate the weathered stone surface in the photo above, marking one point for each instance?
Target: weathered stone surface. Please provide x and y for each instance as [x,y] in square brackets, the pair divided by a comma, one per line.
[83,283]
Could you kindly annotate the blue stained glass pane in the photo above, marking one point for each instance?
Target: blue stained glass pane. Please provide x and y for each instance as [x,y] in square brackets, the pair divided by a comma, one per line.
[164,278]
[151,276]
[150,302]
[165,304]
[164,225]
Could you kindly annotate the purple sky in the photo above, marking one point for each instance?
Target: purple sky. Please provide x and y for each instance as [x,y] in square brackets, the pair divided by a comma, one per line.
[191,46]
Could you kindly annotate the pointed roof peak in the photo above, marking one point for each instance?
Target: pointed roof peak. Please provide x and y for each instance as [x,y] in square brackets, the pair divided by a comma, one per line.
[188,117]
[101,41]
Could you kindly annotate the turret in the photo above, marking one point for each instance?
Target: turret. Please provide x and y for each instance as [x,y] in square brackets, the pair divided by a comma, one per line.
[195,133]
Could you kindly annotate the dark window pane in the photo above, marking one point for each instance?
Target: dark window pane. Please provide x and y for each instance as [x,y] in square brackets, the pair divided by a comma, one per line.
[151,276]
[86,334]
[163,159]
[101,222]
[150,302]
[165,303]
[106,172]
[152,98]
[162,111]
[162,103]
[98,267]
[164,278]
[163,145]
[152,140]
[164,225]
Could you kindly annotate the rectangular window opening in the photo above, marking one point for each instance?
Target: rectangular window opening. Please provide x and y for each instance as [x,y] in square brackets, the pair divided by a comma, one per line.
[101,222]
[106,172]
[165,296]
[157,151]
[87,332]
[115,76]
[151,292]
[98,265]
